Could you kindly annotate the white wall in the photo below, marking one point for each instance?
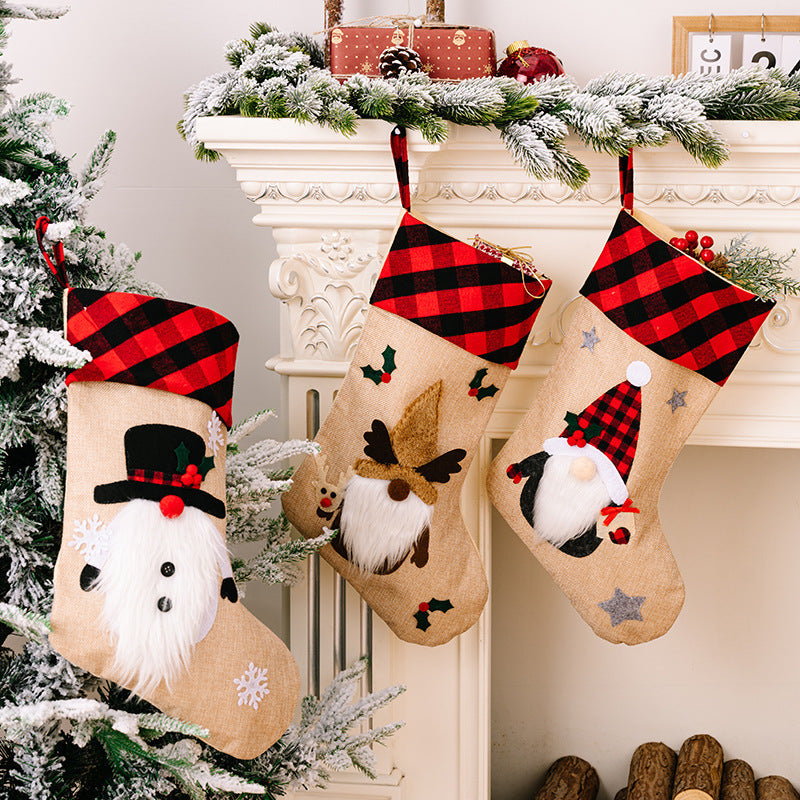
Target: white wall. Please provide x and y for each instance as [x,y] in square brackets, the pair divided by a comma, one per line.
[728,666]
[124,65]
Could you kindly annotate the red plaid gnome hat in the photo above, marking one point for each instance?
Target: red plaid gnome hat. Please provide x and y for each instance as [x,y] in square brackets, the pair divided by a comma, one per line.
[607,430]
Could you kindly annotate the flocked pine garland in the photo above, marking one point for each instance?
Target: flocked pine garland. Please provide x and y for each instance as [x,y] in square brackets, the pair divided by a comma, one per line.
[64,732]
[275,74]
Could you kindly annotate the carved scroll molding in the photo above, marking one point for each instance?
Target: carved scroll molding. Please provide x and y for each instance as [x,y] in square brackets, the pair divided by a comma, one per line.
[325,286]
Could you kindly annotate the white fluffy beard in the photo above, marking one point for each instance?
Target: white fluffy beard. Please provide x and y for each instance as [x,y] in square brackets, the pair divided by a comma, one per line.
[377,530]
[153,645]
[565,506]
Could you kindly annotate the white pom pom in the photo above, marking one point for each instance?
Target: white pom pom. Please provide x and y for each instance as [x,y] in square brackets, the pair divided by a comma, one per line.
[638,373]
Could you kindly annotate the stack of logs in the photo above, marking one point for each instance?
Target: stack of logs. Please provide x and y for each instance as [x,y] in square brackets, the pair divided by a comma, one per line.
[697,772]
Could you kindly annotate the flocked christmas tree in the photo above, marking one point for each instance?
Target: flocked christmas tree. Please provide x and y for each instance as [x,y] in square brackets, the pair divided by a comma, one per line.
[65,732]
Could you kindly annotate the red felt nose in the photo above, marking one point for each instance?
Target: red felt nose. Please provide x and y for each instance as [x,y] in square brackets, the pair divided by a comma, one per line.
[325,502]
[171,506]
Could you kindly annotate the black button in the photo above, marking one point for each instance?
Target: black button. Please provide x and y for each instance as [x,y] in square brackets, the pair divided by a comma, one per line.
[164,604]
[167,569]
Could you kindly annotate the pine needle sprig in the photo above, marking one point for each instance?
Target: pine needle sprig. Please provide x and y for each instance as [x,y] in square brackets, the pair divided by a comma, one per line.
[30,624]
[758,269]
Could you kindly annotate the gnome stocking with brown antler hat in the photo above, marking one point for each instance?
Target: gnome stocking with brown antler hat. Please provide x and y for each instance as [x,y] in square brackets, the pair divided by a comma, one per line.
[144,592]
[446,325]
[654,336]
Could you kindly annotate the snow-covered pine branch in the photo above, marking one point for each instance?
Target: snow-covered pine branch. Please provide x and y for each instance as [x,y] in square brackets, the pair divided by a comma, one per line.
[279,75]
[25,623]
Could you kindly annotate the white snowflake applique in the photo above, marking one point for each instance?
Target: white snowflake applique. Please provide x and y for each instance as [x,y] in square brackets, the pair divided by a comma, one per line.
[90,538]
[252,686]
[216,437]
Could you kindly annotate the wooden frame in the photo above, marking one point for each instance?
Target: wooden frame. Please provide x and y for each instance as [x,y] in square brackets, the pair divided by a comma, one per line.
[682,27]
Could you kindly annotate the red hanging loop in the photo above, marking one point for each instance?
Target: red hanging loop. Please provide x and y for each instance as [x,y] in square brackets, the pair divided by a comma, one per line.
[400,155]
[626,180]
[56,263]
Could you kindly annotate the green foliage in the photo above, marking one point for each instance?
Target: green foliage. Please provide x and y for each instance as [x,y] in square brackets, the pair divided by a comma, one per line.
[612,114]
[758,269]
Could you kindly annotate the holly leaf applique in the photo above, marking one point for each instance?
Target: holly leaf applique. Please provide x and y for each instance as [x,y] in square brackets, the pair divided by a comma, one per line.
[388,360]
[439,605]
[383,375]
[181,458]
[589,432]
[423,623]
[487,391]
[422,616]
[476,387]
[205,466]
[480,374]
[372,374]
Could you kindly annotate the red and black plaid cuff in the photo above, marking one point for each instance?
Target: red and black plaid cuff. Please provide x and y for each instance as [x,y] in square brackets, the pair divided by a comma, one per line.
[153,342]
[459,293]
[672,304]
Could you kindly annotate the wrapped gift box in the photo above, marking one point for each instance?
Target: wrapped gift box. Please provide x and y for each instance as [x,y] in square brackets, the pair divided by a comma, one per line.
[448,53]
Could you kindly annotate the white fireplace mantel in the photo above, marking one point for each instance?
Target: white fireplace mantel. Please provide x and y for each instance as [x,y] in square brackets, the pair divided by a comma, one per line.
[332,204]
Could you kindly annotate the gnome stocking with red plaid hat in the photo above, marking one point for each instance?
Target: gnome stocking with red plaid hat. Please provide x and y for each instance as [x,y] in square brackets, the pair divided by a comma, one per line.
[447,323]
[144,592]
[654,336]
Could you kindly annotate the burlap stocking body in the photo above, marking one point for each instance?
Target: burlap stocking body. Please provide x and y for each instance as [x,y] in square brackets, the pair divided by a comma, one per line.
[446,326]
[654,336]
[144,593]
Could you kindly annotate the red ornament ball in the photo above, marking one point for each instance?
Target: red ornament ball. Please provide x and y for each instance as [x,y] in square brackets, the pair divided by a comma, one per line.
[527,64]
[681,244]
[706,241]
[171,506]
[692,237]
[707,255]
[674,241]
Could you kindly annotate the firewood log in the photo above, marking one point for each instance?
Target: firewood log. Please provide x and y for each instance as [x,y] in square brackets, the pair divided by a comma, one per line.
[738,781]
[773,787]
[698,773]
[652,772]
[569,778]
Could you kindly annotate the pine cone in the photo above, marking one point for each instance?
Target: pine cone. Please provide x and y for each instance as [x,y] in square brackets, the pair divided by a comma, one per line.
[720,266]
[396,61]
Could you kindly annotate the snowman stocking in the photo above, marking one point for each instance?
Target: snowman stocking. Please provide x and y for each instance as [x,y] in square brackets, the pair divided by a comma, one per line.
[446,325]
[654,336]
[144,593]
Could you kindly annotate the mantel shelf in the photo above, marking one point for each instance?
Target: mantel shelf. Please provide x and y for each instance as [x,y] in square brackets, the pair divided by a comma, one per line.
[332,204]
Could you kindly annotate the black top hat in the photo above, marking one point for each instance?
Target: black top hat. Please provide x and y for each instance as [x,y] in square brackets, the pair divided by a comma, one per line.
[163,460]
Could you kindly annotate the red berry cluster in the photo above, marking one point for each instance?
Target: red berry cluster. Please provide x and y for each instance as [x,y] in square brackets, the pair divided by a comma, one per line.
[689,242]
[191,477]
[578,437]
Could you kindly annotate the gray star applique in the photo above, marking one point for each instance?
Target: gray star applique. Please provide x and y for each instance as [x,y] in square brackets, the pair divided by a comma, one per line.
[677,400]
[620,607]
[590,339]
